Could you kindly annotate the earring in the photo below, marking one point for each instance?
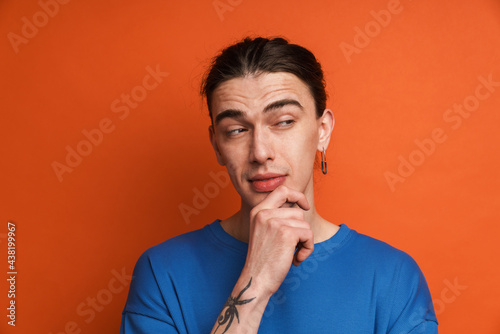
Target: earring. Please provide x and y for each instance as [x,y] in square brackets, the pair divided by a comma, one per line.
[323,162]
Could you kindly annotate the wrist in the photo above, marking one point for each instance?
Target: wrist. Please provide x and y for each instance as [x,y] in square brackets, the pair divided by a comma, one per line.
[248,303]
[257,288]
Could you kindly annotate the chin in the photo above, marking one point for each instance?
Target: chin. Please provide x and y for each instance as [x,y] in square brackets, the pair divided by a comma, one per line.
[252,199]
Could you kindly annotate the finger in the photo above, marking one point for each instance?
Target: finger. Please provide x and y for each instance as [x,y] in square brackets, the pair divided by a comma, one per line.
[305,247]
[294,223]
[281,195]
[282,213]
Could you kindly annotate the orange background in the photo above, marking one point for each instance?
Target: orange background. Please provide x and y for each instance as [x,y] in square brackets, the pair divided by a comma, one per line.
[75,236]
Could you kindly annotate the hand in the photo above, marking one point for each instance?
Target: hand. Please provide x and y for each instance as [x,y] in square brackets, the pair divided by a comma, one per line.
[279,236]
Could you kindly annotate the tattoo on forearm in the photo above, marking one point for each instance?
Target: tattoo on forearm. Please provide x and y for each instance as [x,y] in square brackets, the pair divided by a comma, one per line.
[227,314]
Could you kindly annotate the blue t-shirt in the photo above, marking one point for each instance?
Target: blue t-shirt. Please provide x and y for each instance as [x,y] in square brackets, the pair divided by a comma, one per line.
[350,284]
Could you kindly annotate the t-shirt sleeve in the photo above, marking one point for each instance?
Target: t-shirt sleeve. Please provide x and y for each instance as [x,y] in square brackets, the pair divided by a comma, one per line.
[412,311]
[145,310]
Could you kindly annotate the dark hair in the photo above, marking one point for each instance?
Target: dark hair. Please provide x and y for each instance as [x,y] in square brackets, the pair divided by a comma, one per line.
[261,55]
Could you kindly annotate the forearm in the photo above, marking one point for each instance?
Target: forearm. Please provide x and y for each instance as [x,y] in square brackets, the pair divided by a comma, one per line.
[244,308]
[275,233]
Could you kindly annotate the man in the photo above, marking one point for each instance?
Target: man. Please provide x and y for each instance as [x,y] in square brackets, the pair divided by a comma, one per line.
[267,103]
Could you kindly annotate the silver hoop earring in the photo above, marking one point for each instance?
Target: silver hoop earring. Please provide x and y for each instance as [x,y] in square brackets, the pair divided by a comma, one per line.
[323,162]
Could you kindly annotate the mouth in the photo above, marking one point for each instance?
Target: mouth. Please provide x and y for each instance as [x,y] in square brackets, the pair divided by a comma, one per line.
[266,182]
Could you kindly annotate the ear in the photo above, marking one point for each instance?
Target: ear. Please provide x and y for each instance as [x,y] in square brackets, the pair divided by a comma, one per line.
[213,141]
[325,128]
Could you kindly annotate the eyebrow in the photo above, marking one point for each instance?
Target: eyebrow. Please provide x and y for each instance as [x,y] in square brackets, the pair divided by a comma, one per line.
[281,103]
[235,113]
[229,113]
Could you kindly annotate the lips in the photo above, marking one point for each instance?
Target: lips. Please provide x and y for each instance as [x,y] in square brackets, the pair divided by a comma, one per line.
[267,182]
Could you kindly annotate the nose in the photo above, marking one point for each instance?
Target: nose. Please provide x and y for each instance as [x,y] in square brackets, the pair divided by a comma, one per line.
[261,148]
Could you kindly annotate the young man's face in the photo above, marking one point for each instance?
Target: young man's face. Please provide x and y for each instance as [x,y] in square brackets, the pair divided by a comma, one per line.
[266,133]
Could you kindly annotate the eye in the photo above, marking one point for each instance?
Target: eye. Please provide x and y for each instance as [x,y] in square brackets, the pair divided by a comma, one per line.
[235,132]
[285,123]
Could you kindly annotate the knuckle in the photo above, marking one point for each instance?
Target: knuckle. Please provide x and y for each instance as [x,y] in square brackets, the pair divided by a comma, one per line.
[254,212]
[258,214]
[275,224]
[285,232]
[253,215]
[282,190]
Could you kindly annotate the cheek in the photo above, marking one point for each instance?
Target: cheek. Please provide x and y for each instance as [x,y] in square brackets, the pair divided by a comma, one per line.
[309,137]
[304,153]
[231,167]
[232,161]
